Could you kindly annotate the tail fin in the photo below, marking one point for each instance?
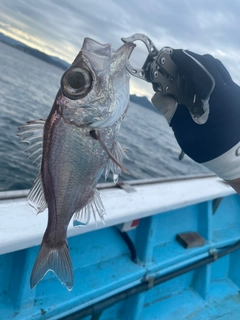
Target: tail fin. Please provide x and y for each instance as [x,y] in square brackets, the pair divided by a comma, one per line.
[56,259]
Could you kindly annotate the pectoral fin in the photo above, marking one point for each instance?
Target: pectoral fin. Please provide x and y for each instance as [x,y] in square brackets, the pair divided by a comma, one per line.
[119,154]
[116,156]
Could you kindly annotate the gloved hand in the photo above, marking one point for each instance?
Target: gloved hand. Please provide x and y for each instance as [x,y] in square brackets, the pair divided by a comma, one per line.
[215,143]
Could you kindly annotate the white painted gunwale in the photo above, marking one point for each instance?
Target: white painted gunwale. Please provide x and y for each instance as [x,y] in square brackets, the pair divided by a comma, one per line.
[21,228]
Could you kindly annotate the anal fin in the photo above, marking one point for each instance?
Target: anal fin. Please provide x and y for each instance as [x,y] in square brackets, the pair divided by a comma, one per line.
[94,207]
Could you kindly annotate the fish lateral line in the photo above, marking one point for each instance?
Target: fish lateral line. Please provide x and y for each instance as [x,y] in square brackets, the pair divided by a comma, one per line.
[94,134]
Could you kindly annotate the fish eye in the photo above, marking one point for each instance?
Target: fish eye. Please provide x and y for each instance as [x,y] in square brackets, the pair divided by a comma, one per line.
[76,83]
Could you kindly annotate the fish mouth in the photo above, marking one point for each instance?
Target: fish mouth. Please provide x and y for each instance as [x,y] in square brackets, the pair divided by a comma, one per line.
[76,83]
[125,50]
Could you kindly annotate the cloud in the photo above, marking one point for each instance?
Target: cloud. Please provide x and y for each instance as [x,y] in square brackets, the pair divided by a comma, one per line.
[59,27]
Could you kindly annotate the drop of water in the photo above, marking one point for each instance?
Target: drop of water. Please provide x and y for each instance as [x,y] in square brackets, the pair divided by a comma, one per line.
[115,178]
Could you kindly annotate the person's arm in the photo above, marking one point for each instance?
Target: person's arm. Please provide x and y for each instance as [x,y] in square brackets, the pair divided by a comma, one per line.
[214,140]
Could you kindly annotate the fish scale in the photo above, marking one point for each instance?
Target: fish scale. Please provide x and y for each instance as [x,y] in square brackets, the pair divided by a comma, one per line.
[76,150]
[77,141]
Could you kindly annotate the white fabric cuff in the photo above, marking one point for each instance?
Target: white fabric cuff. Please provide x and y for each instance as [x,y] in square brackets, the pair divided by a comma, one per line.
[226,166]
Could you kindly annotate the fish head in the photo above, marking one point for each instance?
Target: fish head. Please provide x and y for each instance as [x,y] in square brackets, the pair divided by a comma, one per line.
[95,89]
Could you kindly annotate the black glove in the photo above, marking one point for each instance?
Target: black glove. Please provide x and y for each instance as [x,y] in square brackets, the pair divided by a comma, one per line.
[214,143]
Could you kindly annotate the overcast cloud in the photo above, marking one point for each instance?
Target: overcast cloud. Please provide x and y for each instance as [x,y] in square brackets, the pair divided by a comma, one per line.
[58,27]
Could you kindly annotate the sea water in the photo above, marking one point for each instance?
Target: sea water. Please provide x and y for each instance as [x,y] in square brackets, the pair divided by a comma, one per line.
[28,87]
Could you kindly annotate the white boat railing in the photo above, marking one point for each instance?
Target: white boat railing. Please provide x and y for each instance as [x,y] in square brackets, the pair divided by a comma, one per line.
[20,227]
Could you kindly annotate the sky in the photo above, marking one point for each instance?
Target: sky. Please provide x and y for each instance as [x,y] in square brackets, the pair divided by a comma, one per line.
[58,27]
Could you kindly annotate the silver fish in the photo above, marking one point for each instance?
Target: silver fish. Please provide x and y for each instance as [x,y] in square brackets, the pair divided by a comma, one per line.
[74,146]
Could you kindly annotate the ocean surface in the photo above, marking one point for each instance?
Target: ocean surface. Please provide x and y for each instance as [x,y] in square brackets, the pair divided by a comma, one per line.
[27,90]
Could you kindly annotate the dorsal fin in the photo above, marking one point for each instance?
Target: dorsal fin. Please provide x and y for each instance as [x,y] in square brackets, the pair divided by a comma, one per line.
[32,133]
[36,197]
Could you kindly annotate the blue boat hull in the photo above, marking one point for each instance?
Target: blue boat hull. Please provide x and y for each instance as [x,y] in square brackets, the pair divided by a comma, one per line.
[144,273]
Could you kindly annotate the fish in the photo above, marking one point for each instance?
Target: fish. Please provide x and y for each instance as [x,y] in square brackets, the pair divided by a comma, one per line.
[74,146]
